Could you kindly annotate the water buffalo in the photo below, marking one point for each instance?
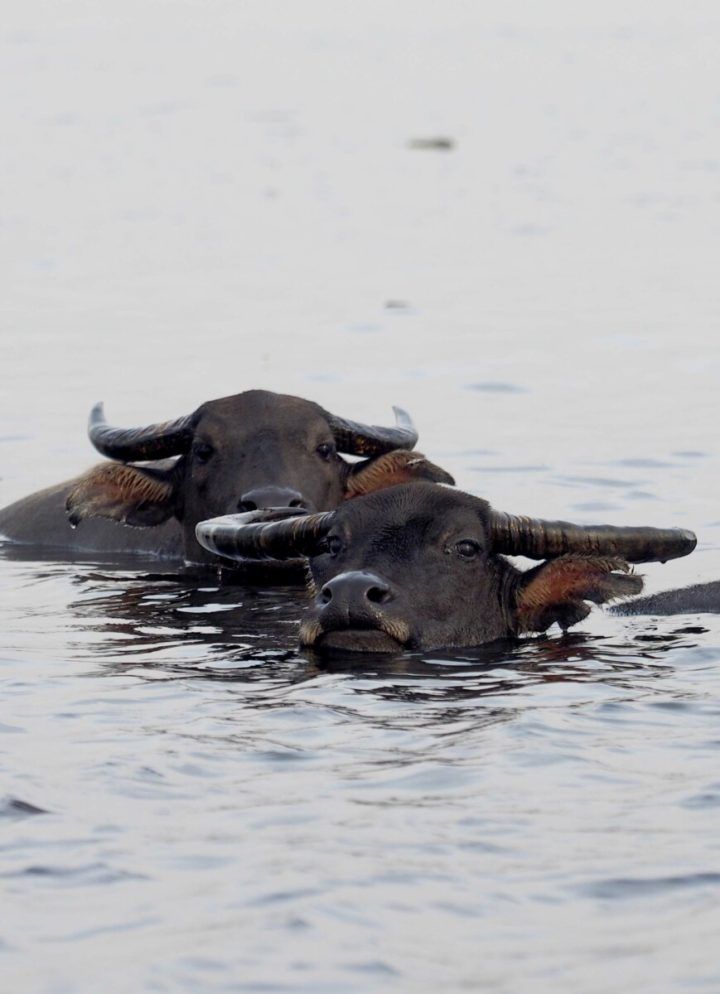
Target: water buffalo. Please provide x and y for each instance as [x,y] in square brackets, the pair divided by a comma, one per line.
[245,452]
[700,598]
[422,566]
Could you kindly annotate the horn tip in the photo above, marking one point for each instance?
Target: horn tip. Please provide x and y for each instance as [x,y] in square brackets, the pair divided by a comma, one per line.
[690,538]
[405,422]
[402,417]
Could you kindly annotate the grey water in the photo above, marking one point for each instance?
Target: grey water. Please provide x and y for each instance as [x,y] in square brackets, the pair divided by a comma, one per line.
[504,218]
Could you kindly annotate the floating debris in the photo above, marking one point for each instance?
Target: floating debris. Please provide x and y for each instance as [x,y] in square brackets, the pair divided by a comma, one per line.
[439,143]
[13,807]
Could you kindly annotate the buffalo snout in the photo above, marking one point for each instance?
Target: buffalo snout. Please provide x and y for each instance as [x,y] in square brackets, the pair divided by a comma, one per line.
[263,497]
[350,614]
[353,595]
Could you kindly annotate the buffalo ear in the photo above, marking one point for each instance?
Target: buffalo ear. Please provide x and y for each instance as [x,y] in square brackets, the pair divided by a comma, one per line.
[391,469]
[141,497]
[556,591]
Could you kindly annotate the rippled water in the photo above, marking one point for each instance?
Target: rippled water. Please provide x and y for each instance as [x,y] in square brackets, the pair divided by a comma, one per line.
[205,199]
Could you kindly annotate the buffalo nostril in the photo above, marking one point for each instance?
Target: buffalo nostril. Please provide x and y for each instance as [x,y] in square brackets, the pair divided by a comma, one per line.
[351,594]
[270,496]
[378,594]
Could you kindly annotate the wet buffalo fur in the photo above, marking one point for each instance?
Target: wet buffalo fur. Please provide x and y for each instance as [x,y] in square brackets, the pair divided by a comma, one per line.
[133,496]
[700,598]
[556,591]
[391,470]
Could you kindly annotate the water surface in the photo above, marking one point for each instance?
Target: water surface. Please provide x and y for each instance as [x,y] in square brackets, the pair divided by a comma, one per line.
[201,200]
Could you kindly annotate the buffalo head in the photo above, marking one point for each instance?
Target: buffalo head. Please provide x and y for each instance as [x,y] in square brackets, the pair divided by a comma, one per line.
[242,453]
[424,567]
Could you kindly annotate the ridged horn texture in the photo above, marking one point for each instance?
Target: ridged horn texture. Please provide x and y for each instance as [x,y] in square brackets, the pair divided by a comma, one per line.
[373,440]
[264,534]
[519,536]
[171,438]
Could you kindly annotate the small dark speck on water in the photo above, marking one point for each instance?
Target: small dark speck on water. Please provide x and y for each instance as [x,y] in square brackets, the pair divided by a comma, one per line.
[439,143]
[12,807]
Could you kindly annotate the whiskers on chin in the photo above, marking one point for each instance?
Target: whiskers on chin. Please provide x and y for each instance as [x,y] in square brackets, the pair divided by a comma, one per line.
[311,630]
[398,630]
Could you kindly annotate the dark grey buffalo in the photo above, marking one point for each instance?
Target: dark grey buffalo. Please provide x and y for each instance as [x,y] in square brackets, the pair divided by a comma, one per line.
[249,451]
[421,566]
[700,598]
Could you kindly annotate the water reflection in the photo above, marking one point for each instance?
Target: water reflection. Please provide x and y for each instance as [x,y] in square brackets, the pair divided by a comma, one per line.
[511,667]
[225,625]
[185,625]
[217,626]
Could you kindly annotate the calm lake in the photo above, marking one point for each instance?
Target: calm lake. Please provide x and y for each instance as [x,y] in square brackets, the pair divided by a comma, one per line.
[503,217]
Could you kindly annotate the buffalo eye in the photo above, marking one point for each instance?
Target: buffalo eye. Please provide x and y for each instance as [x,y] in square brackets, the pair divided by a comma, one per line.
[325,450]
[467,549]
[202,452]
[333,545]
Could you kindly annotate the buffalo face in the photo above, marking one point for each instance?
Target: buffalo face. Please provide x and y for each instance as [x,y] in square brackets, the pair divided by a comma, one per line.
[264,451]
[251,451]
[421,568]
[424,567]
[397,571]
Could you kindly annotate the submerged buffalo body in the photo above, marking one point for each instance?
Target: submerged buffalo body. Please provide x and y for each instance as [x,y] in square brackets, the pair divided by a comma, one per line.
[241,453]
[421,566]
[700,598]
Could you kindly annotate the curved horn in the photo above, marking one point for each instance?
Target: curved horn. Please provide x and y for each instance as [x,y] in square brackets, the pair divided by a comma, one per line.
[515,535]
[373,440]
[130,444]
[264,534]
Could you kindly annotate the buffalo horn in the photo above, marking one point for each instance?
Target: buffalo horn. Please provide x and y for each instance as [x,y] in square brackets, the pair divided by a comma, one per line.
[373,440]
[520,536]
[137,444]
[264,534]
